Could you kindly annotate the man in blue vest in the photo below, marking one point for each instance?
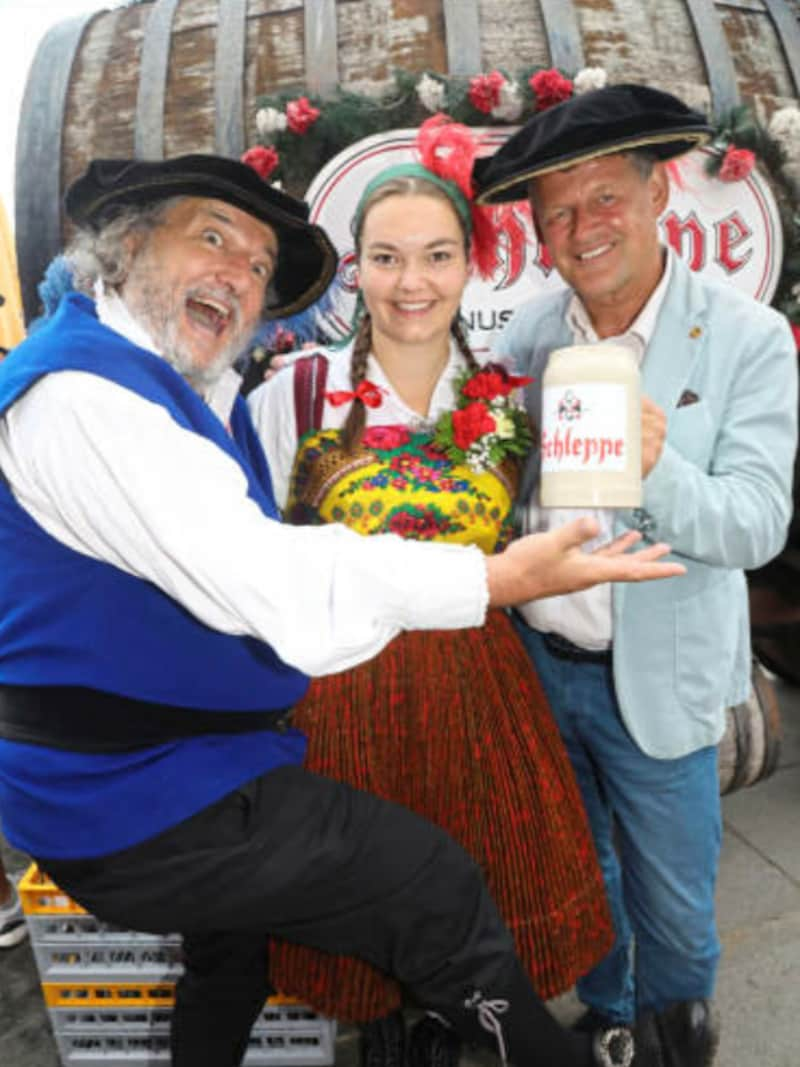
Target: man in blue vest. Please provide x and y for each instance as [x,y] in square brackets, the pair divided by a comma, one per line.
[639,679]
[157,623]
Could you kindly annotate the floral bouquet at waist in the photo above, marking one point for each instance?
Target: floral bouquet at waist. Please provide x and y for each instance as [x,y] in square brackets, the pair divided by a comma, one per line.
[486,425]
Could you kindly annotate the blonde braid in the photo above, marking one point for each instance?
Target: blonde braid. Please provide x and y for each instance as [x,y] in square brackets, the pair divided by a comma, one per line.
[356,419]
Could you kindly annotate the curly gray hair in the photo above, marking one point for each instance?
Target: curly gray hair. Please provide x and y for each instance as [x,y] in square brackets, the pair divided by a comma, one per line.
[106,254]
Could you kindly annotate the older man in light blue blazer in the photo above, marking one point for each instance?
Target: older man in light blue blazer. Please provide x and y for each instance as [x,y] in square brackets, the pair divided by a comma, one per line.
[639,678]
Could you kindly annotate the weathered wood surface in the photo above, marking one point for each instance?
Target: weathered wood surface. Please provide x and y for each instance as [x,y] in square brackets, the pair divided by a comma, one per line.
[109,90]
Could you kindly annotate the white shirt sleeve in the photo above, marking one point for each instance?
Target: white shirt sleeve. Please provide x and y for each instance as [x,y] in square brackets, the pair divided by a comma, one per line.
[113,476]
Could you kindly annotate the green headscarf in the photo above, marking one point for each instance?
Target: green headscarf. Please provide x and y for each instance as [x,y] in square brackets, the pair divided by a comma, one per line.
[416,170]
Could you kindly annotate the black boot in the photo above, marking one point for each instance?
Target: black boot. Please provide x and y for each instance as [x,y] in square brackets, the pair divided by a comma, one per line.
[433,1043]
[382,1042]
[689,1032]
[638,1045]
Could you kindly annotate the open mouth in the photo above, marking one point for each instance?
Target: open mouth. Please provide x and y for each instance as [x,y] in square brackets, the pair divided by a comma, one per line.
[208,313]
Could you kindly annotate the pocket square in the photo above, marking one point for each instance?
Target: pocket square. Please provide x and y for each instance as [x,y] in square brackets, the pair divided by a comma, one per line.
[687,398]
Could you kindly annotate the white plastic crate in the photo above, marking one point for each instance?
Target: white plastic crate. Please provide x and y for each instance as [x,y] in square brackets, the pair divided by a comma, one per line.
[111,959]
[89,1021]
[275,1016]
[118,1046]
[84,927]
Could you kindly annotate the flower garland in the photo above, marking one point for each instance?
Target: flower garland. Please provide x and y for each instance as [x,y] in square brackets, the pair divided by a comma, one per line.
[486,424]
[299,134]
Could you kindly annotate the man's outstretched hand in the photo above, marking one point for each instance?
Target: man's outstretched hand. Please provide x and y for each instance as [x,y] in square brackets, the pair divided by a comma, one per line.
[552,563]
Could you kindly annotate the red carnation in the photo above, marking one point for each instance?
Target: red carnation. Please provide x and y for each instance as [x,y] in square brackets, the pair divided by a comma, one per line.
[796,334]
[300,115]
[550,88]
[470,423]
[284,340]
[262,160]
[486,385]
[484,90]
[736,164]
[385,437]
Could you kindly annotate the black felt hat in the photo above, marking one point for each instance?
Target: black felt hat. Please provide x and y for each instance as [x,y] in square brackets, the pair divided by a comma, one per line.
[600,122]
[306,257]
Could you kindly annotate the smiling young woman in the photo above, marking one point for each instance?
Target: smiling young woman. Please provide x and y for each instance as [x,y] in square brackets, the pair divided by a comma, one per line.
[402,431]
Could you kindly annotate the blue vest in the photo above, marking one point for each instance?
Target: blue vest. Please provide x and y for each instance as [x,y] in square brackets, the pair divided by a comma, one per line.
[67,619]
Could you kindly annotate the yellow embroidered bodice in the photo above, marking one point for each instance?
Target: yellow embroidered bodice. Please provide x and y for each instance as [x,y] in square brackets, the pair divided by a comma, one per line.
[396,482]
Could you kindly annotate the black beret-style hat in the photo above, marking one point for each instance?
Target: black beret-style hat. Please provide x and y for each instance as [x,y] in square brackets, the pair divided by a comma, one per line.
[600,122]
[306,257]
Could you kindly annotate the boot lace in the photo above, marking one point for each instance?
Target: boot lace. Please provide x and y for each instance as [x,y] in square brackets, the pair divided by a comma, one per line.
[488,1012]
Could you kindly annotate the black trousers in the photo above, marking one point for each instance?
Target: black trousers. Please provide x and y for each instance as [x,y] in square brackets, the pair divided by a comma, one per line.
[317,862]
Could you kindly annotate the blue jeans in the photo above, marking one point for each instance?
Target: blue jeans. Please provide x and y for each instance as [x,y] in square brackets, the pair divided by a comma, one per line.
[657,829]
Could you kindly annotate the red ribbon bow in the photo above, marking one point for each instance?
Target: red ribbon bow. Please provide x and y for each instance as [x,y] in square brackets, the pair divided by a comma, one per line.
[367,392]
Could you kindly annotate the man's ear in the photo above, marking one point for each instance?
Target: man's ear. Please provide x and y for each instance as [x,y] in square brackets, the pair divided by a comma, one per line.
[659,188]
[537,229]
[132,245]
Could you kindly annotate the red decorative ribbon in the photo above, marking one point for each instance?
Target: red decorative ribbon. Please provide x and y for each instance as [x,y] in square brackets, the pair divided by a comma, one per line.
[517,381]
[367,392]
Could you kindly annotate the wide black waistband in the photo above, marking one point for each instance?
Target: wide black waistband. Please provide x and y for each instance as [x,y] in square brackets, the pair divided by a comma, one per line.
[89,720]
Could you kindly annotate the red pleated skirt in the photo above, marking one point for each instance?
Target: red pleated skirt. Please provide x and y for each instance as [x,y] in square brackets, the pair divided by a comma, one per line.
[454,724]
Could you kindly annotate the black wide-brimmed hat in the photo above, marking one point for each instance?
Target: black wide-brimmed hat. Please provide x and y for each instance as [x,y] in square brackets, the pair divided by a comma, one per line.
[617,118]
[306,257]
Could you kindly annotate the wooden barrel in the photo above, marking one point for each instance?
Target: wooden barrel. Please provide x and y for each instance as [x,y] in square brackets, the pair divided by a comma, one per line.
[751,745]
[775,602]
[162,77]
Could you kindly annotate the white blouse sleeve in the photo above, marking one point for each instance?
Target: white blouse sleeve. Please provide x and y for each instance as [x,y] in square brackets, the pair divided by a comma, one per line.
[113,476]
[272,410]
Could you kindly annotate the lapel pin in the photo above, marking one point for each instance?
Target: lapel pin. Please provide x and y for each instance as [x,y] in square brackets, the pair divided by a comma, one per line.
[695,332]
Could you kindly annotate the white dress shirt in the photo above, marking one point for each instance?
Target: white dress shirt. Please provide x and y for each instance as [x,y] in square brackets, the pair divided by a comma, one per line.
[584,618]
[113,476]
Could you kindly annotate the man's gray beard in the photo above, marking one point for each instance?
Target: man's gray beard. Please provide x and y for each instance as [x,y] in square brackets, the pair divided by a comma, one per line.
[152,307]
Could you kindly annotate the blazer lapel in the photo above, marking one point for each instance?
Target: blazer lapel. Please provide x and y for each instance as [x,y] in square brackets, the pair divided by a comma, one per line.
[679,339]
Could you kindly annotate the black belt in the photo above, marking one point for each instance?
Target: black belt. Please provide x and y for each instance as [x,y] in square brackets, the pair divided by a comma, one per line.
[561,648]
[89,720]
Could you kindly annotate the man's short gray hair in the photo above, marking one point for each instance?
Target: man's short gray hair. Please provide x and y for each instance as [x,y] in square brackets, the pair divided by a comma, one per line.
[106,254]
[643,161]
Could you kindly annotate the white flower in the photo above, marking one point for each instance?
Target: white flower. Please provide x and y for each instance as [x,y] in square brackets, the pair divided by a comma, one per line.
[504,426]
[589,78]
[510,107]
[784,126]
[430,92]
[269,120]
[478,454]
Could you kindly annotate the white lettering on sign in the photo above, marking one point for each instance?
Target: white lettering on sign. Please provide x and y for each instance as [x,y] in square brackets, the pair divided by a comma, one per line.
[730,231]
[584,427]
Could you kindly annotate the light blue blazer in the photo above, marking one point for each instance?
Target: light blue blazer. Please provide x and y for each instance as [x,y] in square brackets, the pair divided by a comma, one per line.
[720,494]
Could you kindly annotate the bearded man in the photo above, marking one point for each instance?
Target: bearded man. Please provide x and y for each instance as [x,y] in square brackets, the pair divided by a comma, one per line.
[157,623]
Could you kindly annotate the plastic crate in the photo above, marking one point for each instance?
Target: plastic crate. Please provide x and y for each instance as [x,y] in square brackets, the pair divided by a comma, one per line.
[313,1047]
[101,1020]
[88,994]
[39,896]
[311,1044]
[283,1016]
[109,960]
[286,1034]
[77,927]
[113,1049]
